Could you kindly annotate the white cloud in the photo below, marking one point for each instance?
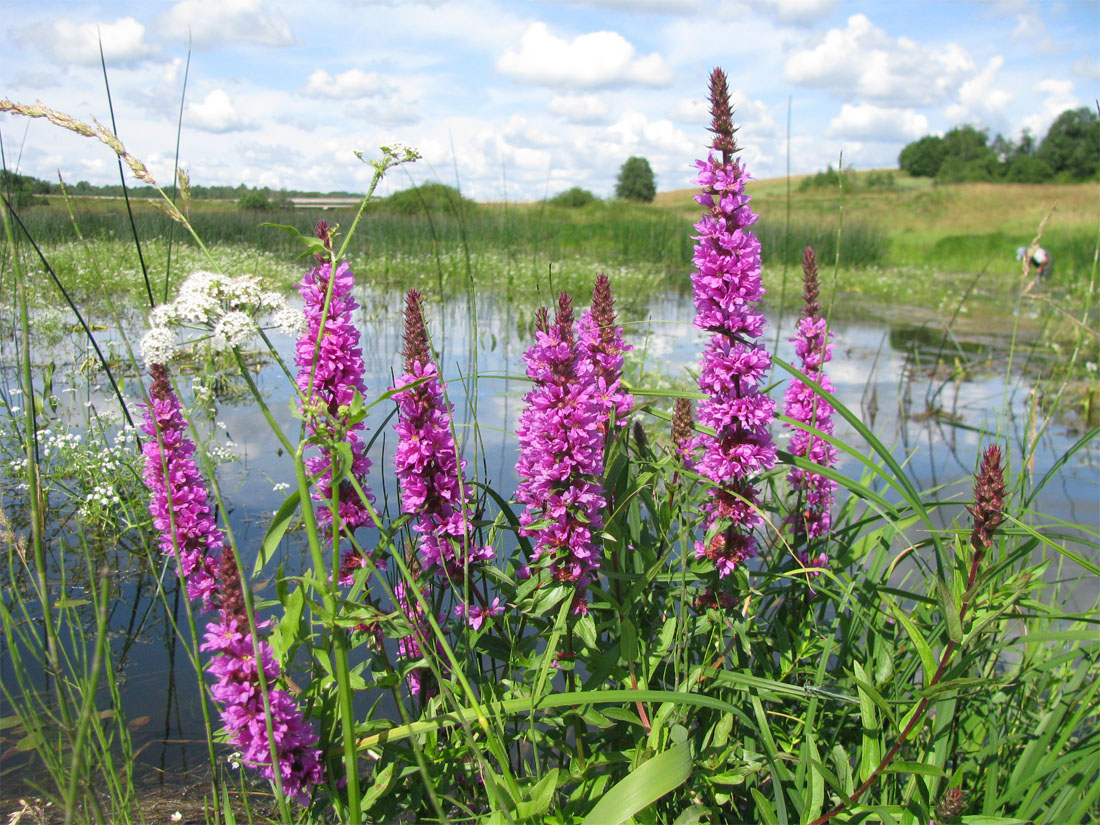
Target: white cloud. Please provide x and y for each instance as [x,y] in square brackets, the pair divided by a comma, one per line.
[213,22]
[979,101]
[589,61]
[216,113]
[690,110]
[861,60]
[871,122]
[661,6]
[1059,97]
[800,12]
[1087,68]
[67,42]
[352,84]
[582,109]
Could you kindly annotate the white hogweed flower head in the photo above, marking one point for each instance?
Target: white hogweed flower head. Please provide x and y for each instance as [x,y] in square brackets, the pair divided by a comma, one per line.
[158,346]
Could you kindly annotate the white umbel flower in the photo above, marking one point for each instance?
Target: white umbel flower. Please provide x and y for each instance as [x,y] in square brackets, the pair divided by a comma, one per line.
[158,346]
[234,329]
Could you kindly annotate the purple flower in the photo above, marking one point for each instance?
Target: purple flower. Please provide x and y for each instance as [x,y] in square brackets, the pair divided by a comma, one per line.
[237,691]
[810,516]
[179,505]
[683,433]
[330,373]
[178,500]
[601,343]
[426,461]
[561,453]
[727,291]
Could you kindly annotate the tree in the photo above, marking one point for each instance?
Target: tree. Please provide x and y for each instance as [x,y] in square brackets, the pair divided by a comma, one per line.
[635,181]
[573,198]
[1072,145]
[923,158]
[254,199]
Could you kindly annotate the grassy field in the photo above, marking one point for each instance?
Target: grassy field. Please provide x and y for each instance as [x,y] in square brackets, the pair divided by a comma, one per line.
[916,243]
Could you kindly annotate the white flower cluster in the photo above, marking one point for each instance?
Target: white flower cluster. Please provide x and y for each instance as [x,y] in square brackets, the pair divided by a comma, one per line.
[101,497]
[228,308]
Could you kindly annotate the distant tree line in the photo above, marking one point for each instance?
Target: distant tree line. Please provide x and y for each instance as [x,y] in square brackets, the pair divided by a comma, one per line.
[1070,151]
[25,188]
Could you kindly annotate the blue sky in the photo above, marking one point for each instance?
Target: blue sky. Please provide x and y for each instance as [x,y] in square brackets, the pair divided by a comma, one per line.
[526,98]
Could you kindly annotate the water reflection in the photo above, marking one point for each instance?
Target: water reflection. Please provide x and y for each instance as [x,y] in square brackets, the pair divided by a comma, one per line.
[928,394]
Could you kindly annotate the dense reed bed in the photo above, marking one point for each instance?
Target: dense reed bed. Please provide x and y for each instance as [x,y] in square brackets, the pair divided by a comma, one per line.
[673,617]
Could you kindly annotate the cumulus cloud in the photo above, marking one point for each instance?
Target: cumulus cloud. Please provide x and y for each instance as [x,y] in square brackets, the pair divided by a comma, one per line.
[581,109]
[1087,68]
[799,12]
[979,100]
[1058,96]
[217,113]
[871,122]
[67,42]
[861,60]
[213,22]
[349,85]
[660,6]
[589,61]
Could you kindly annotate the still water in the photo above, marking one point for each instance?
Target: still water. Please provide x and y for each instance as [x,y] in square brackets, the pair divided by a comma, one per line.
[931,397]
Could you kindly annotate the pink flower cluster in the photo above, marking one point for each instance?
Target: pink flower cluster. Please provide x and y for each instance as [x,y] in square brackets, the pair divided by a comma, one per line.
[330,372]
[727,291]
[179,505]
[178,500]
[239,693]
[427,464]
[811,514]
[561,453]
[601,343]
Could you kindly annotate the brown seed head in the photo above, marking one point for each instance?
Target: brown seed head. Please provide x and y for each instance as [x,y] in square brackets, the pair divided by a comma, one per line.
[989,499]
[416,336]
[721,116]
[951,804]
[682,424]
[230,592]
[810,306]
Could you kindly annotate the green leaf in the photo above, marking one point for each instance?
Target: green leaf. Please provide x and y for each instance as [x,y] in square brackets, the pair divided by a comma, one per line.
[628,640]
[279,524]
[950,610]
[870,752]
[924,650]
[642,787]
[377,789]
[691,816]
[897,766]
[313,246]
[586,629]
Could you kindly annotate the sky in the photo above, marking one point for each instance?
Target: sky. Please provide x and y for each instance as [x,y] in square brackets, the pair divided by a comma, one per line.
[520,99]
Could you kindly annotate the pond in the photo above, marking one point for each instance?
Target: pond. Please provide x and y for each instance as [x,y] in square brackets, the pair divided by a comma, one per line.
[930,395]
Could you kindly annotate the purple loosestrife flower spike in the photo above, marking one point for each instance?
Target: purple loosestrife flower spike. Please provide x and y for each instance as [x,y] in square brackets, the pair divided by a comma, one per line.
[988,506]
[330,373]
[811,515]
[178,499]
[683,432]
[728,290]
[561,454]
[240,698]
[601,343]
[433,487]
